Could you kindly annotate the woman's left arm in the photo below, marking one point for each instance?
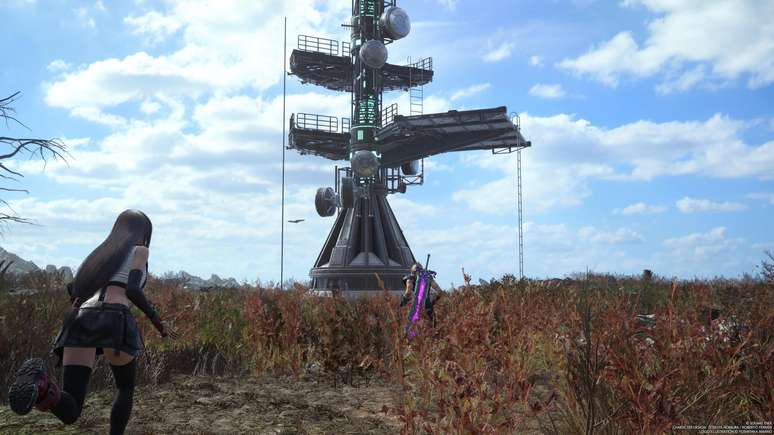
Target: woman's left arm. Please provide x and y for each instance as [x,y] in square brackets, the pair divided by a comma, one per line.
[134,289]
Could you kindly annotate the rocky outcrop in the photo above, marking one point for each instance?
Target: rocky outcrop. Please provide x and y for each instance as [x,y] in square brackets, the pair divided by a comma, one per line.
[194,282]
[64,271]
[19,266]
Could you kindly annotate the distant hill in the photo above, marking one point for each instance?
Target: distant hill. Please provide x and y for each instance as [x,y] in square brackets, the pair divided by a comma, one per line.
[195,283]
[21,266]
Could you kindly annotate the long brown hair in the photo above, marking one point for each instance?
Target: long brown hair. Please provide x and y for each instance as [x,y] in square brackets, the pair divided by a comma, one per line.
[132,227]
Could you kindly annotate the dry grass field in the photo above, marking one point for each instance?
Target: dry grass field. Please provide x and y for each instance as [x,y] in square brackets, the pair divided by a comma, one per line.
[559,357]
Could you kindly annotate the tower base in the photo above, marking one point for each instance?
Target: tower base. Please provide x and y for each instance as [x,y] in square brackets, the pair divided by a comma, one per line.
[365,241]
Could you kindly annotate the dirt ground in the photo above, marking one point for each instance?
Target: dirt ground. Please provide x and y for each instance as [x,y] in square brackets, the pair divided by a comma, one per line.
[202,405]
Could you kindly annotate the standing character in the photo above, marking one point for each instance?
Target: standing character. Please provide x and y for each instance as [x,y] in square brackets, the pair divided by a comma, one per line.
[435,292]
[100,322]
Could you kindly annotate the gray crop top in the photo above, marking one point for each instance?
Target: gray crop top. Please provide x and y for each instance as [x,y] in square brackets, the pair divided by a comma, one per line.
[122,275]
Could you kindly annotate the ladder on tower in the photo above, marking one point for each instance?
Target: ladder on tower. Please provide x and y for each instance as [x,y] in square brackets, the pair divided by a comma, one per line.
[416,93]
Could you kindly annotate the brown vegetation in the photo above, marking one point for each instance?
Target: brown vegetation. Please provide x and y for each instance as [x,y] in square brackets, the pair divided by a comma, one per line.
[560,356]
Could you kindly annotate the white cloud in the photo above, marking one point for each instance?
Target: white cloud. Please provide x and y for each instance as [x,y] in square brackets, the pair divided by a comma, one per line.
[154,25]
[18,3]
[692,205]
[644,150]
[765,246]
[641,208]
[709,254]
[432,165]
[576,250]
[685,81]
[97,116]
[449,4]
[732,37]
[616,237]
[58,65]
[149,107]
[547,91]
[76,143]
[196,141]
[546,186]
[430,103]
[84,17]
[765,197]
[470,91]
[697,246]
[568,152]
[608,60]
[216,54]
[536,61]
[501,52]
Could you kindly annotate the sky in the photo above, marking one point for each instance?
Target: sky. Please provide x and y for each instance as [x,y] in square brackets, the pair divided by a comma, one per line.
[651,122]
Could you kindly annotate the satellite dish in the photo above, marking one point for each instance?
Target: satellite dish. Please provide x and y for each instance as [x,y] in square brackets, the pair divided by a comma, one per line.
[325,201]
[410,168]
[395,22]
[364,163]
[373,53]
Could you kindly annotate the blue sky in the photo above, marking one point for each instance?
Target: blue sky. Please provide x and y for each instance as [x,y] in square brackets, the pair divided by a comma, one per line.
[651,122]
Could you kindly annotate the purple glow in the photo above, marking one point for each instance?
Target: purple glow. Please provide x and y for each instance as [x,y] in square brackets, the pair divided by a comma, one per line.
[420,296]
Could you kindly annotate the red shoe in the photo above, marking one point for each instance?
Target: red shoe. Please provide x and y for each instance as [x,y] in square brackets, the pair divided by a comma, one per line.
[33,388]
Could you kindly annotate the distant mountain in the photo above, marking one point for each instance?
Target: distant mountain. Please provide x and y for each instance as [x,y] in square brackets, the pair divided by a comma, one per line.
[195,283]
[19,265]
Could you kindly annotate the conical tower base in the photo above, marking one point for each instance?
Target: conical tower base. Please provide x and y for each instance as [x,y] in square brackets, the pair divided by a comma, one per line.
[365,240]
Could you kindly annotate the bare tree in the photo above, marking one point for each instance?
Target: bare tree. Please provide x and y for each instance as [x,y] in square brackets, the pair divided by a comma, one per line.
[13,147]
[767,267]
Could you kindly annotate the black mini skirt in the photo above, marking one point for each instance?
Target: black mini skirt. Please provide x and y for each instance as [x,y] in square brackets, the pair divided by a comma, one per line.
[99,325]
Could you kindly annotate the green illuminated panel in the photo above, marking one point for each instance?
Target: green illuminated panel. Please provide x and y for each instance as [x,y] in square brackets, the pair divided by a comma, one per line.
[366,110]
[368,8]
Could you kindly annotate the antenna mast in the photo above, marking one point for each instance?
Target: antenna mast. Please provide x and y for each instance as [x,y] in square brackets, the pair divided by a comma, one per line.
[284,96]
[521,232]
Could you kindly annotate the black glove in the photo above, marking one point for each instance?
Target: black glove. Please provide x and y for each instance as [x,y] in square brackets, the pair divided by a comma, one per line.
[159,326]
[70,291]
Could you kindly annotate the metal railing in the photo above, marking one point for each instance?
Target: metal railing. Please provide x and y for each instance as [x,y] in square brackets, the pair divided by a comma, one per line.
[314,44]
[328,124]
[318,45]
[308,121]
[389,113]
[425,64]
[397,182]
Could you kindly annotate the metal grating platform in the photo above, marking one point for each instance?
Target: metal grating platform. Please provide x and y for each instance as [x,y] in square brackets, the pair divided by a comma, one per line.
[415,137]
[335,72]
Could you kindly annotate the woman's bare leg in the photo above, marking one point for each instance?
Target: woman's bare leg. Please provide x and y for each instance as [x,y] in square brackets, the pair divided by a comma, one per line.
[121,359]
[79,356]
